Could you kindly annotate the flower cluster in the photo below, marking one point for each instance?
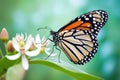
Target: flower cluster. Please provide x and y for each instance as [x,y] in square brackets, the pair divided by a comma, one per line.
[25,46]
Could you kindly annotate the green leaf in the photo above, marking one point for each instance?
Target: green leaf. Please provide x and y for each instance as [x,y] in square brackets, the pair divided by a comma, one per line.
[76,73]
[5,64]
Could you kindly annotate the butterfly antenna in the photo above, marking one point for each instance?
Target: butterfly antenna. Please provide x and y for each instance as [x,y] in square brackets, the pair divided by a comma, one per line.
[45,28]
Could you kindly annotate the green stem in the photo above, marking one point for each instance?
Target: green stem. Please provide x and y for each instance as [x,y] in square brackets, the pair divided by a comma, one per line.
[2,48]
[5,43]
[1,53]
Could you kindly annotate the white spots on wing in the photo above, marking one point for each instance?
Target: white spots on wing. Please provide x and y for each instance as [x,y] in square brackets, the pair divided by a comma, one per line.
[90,15]
[94,22]
[79,19]
[94,19]
[86,18]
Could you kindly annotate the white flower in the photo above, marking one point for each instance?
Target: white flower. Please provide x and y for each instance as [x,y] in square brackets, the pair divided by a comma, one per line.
[42,45]
[22,46]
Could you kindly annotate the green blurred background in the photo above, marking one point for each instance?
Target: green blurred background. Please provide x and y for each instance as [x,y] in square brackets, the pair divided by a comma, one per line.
[27,16]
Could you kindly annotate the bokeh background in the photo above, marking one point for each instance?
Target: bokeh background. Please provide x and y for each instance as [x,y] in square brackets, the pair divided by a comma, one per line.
[27,16]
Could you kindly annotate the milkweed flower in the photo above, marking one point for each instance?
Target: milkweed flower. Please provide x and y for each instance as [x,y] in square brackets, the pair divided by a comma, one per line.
[22,45]
[43,44]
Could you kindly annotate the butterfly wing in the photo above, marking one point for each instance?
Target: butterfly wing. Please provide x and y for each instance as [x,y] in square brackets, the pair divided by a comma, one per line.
[97,18]
[79,46]
[78,38]
[79,41]
[92,21]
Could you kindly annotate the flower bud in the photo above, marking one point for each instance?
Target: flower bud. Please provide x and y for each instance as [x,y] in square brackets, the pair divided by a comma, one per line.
[4,35]
[10,47]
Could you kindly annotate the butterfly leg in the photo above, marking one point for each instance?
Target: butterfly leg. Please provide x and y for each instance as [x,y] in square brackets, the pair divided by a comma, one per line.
[50,40]
[50,52]
[59,53]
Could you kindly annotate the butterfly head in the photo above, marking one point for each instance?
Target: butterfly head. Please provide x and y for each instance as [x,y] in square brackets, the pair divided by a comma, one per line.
[56,37]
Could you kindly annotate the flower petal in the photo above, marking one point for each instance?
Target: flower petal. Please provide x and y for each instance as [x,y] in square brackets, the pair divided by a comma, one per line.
[47,42]
[25,37]
[15,44]
[38,45]
[25,62]
[13,57]
[48,53]
[47,49]
[37,39]
[43,38]
[32,53]
[28,42]
[18,37]
[22,36]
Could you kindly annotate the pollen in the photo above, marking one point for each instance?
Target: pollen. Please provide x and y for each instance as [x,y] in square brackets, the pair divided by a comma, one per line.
[42,50]
[21,43]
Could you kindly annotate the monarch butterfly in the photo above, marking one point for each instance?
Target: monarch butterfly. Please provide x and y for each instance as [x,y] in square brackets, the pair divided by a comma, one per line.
[78,39]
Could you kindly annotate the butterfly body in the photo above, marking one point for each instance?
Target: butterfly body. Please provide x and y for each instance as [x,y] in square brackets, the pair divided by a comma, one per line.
[78,39]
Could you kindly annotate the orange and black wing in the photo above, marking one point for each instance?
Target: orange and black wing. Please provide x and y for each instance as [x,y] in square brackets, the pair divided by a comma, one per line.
[78,40]
[92,21]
